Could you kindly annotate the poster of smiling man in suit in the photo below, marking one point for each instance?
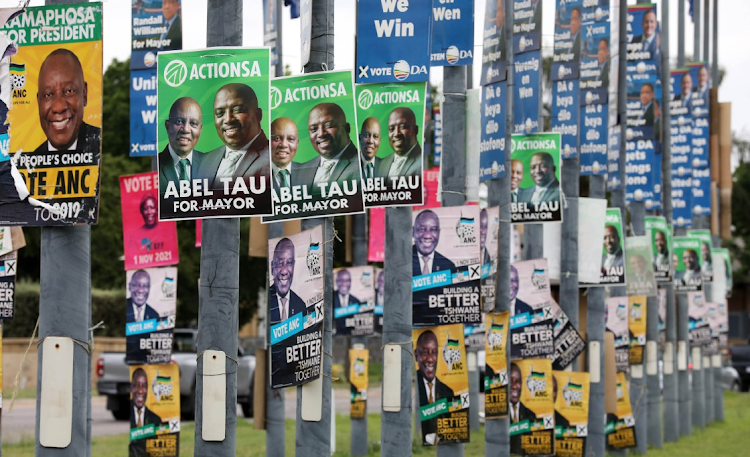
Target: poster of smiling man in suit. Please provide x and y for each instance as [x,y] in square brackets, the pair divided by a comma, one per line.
[539,197]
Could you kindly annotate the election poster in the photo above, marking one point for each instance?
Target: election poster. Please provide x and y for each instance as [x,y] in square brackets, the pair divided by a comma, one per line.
[687,264]
[527,71]
[681,146]
[527,26]
[701,198]
[569,344]
[724,255]
[270,35]
[147,242]
[594,139]
[714,324]
[532,310]
[613,159]
[157,26]
[699,331]
[320,174]
[393,41]
[707,266]
[661,300]
[392,171]
[638,266]
[6,240]
[354,300]
[592,217]
[492,139]
[596,10]
[620,428]
[59,155]
[565,113]
[613,249]
[701,82]
[376,238]
[496,365]
[637,328]
[617,321]
[570,394]
[8,264]
[474,336]
[568,42]
[489,237]
[377,312]
[539,190]
[143,101]
[494,43]
[595,64]
[358,381]
[224,171]
[150,315]
[660,234]
[452,33]
[723,316]
[155,410]
[446,277]
[532,409]
[442,384]
[643,35]
[295,309]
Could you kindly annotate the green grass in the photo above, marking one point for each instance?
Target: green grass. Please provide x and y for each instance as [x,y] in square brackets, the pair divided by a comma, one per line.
[22,393]
[727,439]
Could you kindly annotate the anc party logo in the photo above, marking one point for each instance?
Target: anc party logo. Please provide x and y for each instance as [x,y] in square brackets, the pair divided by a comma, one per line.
[161,386]
[275,97]
[495,336]
[619,392]
[536,382]
[572,393]
[168,287]
[359,367]
[401,70]
[465,230]
[365,99]
[537,279]
[366,280]
[622,311]
[451,55]
[636,312]
[313,259]
[175,73]
[17,75]
[452,354]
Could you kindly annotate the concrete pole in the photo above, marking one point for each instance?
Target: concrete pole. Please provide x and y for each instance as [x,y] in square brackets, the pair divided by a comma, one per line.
[706,42]
[359,257]
[708,377]
[279,42]
[275,418]
[638,391]
[715,45]
[680,33]
[697,30]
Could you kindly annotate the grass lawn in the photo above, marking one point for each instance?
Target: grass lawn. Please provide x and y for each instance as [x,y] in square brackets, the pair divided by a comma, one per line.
[727,439]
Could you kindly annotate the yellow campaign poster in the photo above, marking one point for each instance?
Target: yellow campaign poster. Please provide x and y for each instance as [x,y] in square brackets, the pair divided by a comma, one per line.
[56,116]
[443,384]
[532,411]
[358,379]
[571,399]
[637,327]
[496,365]
[620,428]
[154,410]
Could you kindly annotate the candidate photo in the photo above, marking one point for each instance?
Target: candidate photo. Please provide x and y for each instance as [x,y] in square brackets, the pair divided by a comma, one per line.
[425,258]
[483,226]
[651,42]
[686,95]
[546,186]
[692,274]
[661,258]
[406,159]
[283,302]
[575,33]
[137,308]
[342,298]
[613,256]
[179,160]
[647,104]
[430,387]
[637,269]
[517,306]
[140,415]
[516,177]
[495,19]
[369,144]
[284,144]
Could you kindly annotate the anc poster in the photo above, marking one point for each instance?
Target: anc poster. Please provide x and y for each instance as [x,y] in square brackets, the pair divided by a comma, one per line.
[571,397]
[354,300]
[148,242]
[391,136]
[489,236]
[150,315]
[8,264]
[295,307]
[620,428]
[154,411]
[316,173]
[532,310]
[532,416]
[617,320]
[637,328]
[377,312]
[568,342]
[539,191]
[613,249]
[442,384]
[358,380]
[446,269]
[496,365]
[687,264]
[56,115]
[660,235]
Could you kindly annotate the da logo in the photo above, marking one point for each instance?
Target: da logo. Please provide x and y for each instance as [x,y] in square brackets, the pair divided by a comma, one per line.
[313,259]
[529,125]
[359,367]
[401,70]
[275,97]
[452,354]
[572,393]
[495,336]
[536,382]
[168,287]
[465,230]
[175,73]
[365,99]
[451,55]
[538,280]
[636,312]
[161,386]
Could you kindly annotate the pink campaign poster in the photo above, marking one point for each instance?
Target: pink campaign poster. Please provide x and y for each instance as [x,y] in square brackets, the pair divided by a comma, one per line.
[148,242]
[376,247]
[198,232]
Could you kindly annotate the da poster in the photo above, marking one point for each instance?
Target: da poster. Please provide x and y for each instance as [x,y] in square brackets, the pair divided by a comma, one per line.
[566,58]
[527,68]
[7,282]
[224,171]
[391,170]
[531,307]
[157,26]
[620,428]
[595,64]
[613,250]
[358,380]
[571,396]
[377,312]
[660,235]
[492,139]
[322,170]
[617,321]
[442,384]
[727,260]
[687,264]
[532,410]
[637,328]
[569,344]
[527,26]
[539,198]
[699,331]
[148,242]
[489,236]
[393,41]
[354,300]
[154,410]
[452,29]
[707,266]
[295,307]
[565,114]
[494,47]
[60,155]
[150,315]
[638,266]
[496,365]
[446,276]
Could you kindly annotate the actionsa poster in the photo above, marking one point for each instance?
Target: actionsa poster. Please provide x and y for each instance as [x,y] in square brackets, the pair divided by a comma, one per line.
[571,397]
[539,196]
[154,411]
[358,381]
[613,252]
[354,300]
[295,307]
[707,267]
[7,284]
[532,416]
[660,235]
[531,306]
[150,315]
[496,365]
[687,264]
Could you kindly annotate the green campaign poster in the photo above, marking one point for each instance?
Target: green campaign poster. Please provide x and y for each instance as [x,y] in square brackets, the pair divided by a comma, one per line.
[219,170]
[538,196]
[687,264]
[391,133]
[707,266]
[613,249]
[660,235]
[314,159]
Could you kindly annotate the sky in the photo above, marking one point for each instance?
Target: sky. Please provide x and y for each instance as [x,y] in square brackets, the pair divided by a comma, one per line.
[733,37]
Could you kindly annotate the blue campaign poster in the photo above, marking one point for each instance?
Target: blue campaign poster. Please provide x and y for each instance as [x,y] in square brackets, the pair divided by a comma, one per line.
[565,112]
[452,32]
[393,41]
[595,64]
[701,203]
[143,113]
[568,43]
[594,140]
[494,45]
[157,26]
[526,100]
[596,11]
[640,162]
[644,35]
[613,159]
[492,145]
[527,26]
[270,34]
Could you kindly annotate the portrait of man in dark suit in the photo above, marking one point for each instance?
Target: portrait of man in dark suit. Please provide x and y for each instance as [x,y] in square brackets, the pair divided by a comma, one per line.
[342,297]
[425,259]
[692,274]
[369,143]
[701,92]
[430,388]
[282,301]
[483,226]
[575,35]
[516,177]
[637,269]
[603,58]
[686,95]
[650,39]
[284,144]
[179,160]
[173,23]
[492,68]
[338,159]
[546,187]
[517,306]
[406,159]
[245,152]
[647,104]
[137,309]
[662,251]
[141,415]
[612,256]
